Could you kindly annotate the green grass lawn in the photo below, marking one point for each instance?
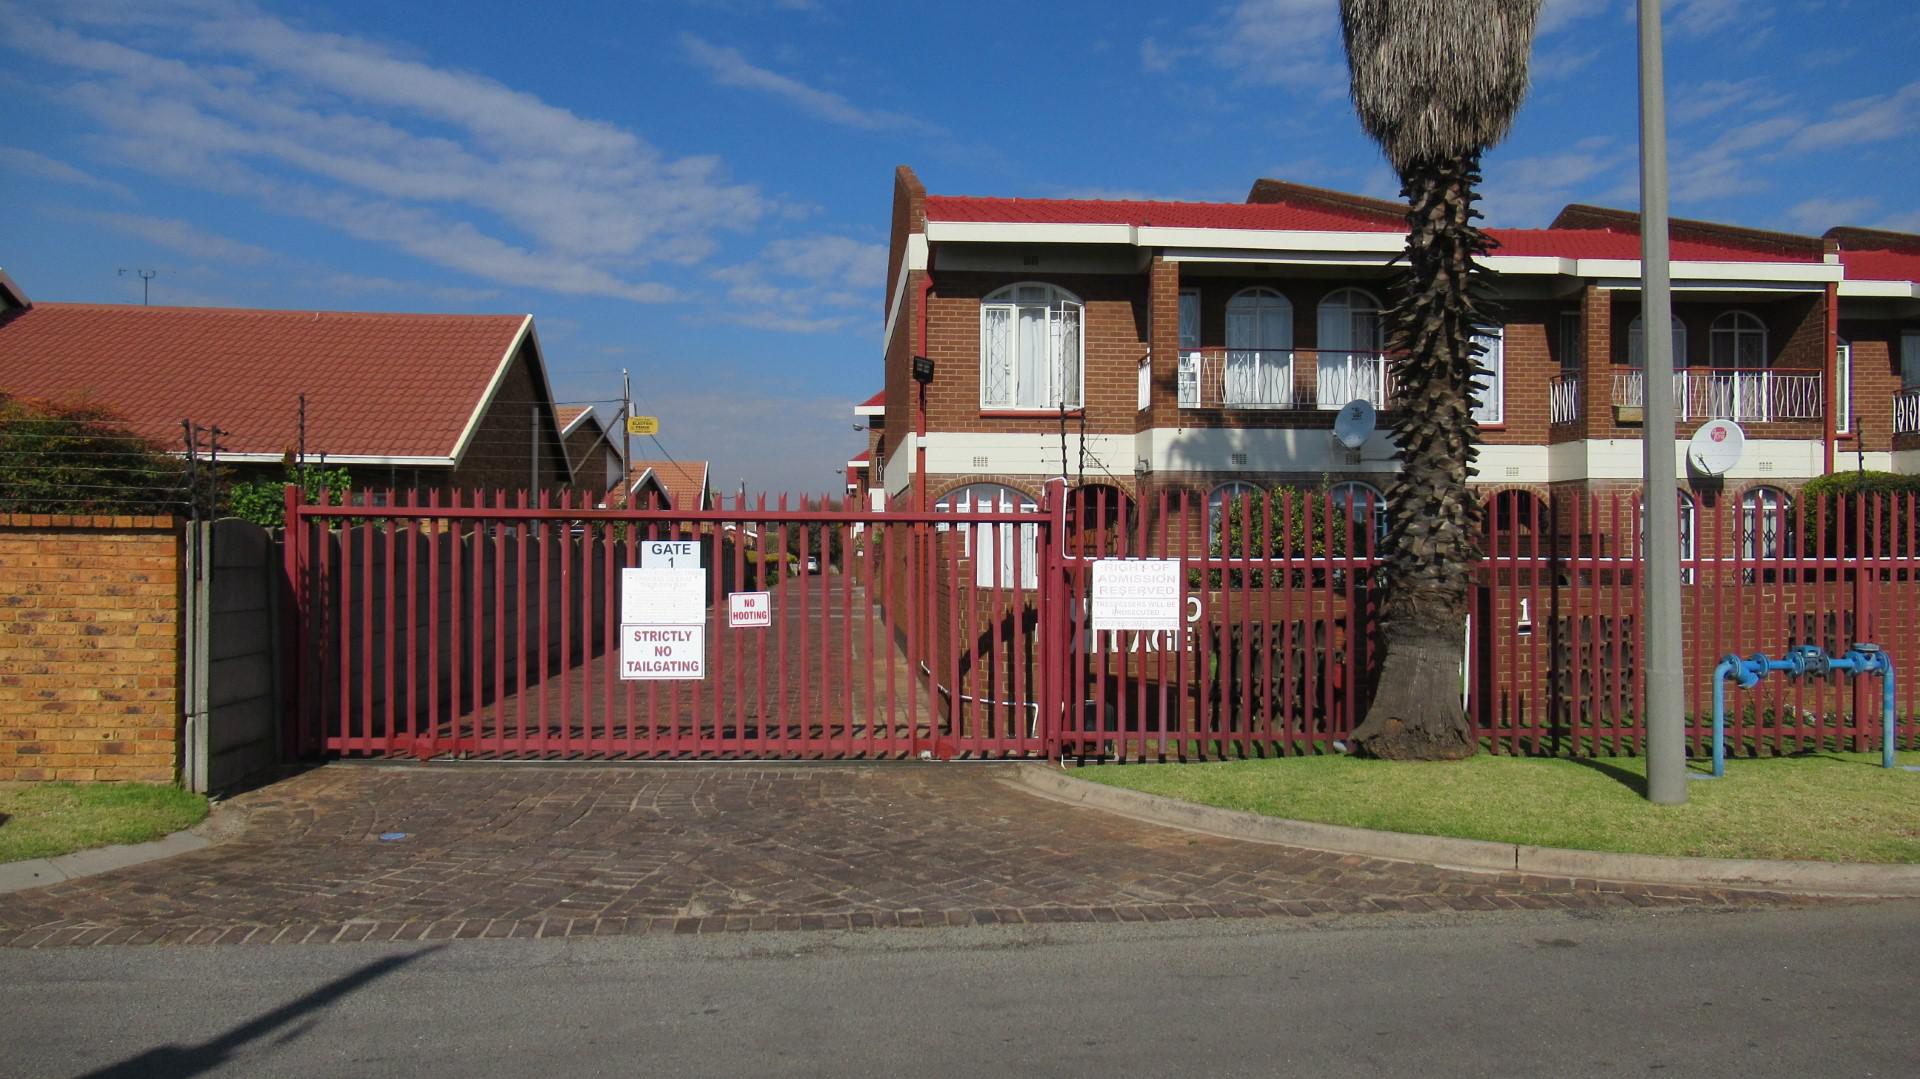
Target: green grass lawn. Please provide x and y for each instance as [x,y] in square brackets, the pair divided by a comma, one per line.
[41,820]
[1828,806]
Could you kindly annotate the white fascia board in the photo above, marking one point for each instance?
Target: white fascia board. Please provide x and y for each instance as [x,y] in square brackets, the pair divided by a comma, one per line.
[577,421]
[493,387]
[1550,265]
[859,464]
[1812,273]
[338,459]
[1026,232]
[1274,258]
[1880,290]
[869,410]
[1761,459]
[1391,243]
[915,259]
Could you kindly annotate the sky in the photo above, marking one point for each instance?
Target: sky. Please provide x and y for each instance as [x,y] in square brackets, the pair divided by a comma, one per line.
[699,192]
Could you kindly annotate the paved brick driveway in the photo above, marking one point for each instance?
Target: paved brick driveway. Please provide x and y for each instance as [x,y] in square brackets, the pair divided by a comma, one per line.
[524,850]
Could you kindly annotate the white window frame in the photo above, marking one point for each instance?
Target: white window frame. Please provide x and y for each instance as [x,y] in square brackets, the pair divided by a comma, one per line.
[1842,387]
[990,536]
[1348,367]
[1490,385]
[1062,314]
[1637,343]
[1187,378]
[1686,520]
[1759,507]
[1909,359]
[1347,495]
[1260,373]
[1218,499]
[1733,329]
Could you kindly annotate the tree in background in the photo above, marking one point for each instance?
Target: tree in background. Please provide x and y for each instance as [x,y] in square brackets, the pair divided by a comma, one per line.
[1435,83]
[79,458]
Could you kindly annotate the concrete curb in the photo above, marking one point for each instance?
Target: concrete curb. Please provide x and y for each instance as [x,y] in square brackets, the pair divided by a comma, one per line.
[40,872]
[1474,855]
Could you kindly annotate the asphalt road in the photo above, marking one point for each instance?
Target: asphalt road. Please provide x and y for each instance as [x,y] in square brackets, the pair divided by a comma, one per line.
[1828,991]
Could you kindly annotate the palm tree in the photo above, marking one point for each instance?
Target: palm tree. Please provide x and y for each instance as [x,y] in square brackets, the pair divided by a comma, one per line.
[1436,82]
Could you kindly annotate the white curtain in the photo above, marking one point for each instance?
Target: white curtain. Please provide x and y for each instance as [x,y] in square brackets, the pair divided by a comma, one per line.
[1259,350]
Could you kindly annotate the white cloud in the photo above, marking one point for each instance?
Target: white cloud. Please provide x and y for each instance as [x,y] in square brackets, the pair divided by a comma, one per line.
[38,166]
[808,284]
[1698,101]
[1528,191]
[1817,215]
[1557,15]
[1902,222]
[449,166]
[729,67]
[181,236]
[1262,42]
[1703,18]
[1866,119]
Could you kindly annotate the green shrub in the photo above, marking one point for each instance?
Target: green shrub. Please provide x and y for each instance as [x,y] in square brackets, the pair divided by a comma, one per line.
[264,501]
[64,458]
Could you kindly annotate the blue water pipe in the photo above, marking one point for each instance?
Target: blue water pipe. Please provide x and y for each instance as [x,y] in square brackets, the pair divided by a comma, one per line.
[1862,658]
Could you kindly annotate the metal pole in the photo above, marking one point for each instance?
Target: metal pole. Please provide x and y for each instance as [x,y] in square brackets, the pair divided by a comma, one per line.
[626,436]
[1664,655]
[533,474]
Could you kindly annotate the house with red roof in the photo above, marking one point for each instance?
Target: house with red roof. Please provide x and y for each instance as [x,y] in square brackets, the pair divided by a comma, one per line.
[595,455]
[678,485]
[1879,341]
[399,400]
[1144,346]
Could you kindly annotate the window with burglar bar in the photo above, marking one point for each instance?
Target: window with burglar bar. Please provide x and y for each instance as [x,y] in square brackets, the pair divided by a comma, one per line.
[1032,350]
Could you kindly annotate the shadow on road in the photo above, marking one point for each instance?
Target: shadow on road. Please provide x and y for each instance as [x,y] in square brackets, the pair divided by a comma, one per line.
[179,1062]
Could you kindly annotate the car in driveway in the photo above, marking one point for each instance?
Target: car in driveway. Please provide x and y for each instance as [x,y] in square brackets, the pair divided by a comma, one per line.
[813,565]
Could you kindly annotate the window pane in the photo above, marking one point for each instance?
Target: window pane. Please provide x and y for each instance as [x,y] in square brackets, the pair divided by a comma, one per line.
[996,357]
[1031,358]
[1066,359]
[1910,358]
[1189,320]
[1490,389]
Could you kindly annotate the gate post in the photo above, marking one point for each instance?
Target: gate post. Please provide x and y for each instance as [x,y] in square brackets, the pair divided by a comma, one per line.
[294,613]
[1055,598]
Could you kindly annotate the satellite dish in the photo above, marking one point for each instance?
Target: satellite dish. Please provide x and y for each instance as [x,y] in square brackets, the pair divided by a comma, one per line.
[1716,447]
[1354,423]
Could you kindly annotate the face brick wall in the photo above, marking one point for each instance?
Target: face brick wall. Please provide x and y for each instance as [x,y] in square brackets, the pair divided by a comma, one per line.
[89,676]
[501,452]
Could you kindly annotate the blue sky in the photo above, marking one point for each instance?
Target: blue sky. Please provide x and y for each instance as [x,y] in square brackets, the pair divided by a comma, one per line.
[699,191]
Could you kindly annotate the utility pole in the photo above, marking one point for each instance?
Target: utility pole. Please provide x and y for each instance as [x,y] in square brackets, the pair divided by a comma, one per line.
[1663,657]
[626,434]
[145,276]
[533,482]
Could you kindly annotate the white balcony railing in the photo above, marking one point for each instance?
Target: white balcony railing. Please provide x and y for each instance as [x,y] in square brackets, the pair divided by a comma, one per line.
[1282,378]
[1745,396]
[1563,402]
[1906,412]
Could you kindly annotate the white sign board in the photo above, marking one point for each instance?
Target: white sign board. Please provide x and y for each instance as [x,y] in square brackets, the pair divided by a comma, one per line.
[1136,594]
[669,554]
[663,597]
[654,652]
[750,609]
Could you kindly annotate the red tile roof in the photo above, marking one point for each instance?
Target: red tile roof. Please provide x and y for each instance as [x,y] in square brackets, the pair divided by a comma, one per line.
[1881,265]
[1610,244]
[567,414]
[1194,215]
[685,481]
[377,385]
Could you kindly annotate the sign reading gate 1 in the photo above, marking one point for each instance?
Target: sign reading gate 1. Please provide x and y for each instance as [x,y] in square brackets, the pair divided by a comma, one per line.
[663,613]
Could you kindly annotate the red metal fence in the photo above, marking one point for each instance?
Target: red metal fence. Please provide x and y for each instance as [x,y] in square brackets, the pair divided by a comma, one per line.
[491,626]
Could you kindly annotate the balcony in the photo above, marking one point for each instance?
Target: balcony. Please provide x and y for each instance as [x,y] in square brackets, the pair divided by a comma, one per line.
[1305,379]
[1744,396]
[1906,412]
[1563,400]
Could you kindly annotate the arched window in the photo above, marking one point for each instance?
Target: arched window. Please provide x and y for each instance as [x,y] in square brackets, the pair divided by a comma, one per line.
[1765,530]
[1686,516]
[997,549]
[1351,364]
[1100,520]
[1259,350]
[1637,342]
[1032,350]
[1738,340]
[1230,498]
[1364,505]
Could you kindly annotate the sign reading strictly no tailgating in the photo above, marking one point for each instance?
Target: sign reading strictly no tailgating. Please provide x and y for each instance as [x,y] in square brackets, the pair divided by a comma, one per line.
[663,620]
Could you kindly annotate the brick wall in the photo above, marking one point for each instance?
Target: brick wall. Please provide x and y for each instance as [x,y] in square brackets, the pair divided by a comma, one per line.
[501,451]
[89,674]
[1875,345]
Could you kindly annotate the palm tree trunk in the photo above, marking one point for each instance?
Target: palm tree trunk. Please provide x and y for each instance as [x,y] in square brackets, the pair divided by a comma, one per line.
[1434,539]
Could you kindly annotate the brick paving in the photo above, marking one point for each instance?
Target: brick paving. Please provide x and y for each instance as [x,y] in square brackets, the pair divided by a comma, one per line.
[501,850]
